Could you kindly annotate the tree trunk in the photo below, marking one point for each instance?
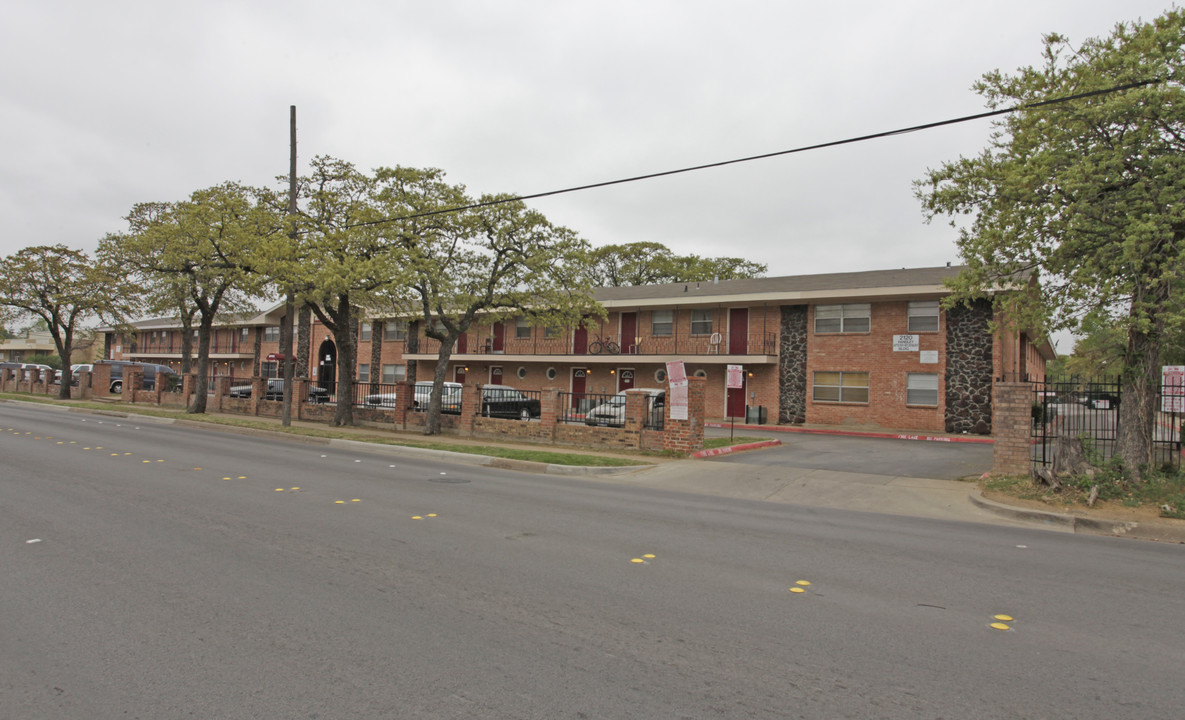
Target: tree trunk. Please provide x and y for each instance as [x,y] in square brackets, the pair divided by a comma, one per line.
[198,406]
[66,349]
[305,320]
[376,354]
[432,420]
[345,334]
[413,346]
[1137,407]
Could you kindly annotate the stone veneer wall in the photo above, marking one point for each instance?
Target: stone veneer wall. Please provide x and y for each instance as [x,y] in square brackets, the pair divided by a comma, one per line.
[792,365]
[969,368]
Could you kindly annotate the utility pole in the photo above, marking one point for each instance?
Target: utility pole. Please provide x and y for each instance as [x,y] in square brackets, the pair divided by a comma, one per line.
[289,304]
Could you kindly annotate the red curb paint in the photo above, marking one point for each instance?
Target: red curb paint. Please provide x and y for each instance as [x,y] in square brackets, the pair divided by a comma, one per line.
[735,448]
[858,433]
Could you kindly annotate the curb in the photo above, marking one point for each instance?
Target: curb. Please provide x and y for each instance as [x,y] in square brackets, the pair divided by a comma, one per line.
[1075,523]
[735,448]
[857,433]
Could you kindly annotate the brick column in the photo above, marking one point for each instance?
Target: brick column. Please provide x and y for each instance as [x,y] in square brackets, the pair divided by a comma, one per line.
[258,390]
[133,380]
[470,407]
[221,388]
[6,377]
[188,387]
[404,397]
[101,379]
[85,378]
[300,395]
[550,411]
[161,386]
[1012,417]
[637,407]
[686,436]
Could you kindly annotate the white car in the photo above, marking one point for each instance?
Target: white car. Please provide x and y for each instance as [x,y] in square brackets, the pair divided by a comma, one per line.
[450,402]
[611,413]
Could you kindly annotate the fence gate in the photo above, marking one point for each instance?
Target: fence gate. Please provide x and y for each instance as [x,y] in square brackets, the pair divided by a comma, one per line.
[1089,409]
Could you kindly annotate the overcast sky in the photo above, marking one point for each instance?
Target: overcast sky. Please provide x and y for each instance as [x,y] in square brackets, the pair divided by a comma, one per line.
[106,104]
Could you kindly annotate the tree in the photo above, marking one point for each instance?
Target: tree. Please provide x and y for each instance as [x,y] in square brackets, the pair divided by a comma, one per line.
[1087,194]
[338,262]
[197,257]
[652,263]
[65,288]
[491,263]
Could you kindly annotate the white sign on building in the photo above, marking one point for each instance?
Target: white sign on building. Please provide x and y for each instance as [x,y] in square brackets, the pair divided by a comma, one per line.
[905,343]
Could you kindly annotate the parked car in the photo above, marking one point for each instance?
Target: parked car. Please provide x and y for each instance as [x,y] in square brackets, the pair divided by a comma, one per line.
[150,371]
[503,401]
[1100,400]
[275,391]
[450,401]
[611,413]
[77,368]
[29,367]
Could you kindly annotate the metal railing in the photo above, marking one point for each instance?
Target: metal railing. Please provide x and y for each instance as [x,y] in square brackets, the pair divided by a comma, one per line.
[594,343]
[1089,409]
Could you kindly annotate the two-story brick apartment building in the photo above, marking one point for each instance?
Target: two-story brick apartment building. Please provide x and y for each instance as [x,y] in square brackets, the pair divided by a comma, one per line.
[863,348]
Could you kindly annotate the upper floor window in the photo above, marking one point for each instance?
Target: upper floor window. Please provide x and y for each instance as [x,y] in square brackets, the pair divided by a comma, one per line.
[395,330]
[846,318]
[363,372]
[271,334]
[923,316]
[662,322]
[364,331]
[522,330]
[244,334]
[394,373]
[701,322]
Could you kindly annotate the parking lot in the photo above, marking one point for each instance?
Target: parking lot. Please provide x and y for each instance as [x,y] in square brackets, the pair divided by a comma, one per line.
[871,455]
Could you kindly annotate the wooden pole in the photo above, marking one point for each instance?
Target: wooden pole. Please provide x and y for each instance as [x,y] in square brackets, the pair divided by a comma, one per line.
[289,303]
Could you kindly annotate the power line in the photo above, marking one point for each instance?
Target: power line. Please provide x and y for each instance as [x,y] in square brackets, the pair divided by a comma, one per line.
[804,148]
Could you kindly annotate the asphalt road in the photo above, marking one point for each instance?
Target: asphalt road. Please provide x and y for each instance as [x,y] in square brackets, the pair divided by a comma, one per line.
[877,456]
[151,571]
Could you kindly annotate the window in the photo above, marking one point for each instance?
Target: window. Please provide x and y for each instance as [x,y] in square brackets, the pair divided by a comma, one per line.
[848,318]
[395,330]
[923,316]
[269,369]
[271,334]
[849,387]
[522,330]
[244,334]
[394,373]
[662,322]
[363,372]
[701,322]
[364,331]
[550,332]
[922,389]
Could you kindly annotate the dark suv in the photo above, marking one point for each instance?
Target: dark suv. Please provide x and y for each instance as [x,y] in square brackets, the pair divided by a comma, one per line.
[150,371]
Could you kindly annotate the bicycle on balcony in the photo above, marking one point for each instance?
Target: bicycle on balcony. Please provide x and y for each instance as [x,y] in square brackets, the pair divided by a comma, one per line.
[606,345]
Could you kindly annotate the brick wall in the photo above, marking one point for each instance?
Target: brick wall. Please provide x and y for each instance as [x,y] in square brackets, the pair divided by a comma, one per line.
[1012,418]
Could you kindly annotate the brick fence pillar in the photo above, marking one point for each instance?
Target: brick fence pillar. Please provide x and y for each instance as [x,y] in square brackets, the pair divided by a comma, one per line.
[637,410]
[221,388]
[85,377]
[7,378]
[258,392]
[188,387]
[133,380]
[161,385]
[404,398]
[101,379]
[470,408]
[686,436]
[1012,408]
[550,411]
[300,395]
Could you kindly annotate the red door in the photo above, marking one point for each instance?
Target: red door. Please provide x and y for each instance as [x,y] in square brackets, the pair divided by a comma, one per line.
[735,406]
[463,344]
[629,332]
[625,379]
[738,331]
[499,331]
[495,376]
[580,340]
[459,374]
[579,377]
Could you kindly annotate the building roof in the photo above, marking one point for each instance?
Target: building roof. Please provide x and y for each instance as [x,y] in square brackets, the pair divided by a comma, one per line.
[789,288]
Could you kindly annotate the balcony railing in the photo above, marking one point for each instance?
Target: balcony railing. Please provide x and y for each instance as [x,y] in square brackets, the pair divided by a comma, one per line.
[172,348]
[756,343]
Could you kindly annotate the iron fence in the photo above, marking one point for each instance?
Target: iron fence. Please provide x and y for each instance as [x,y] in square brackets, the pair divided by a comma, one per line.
[1089,409]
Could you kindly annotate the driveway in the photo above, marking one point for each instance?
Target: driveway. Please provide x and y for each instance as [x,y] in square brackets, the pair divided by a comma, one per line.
[874,456]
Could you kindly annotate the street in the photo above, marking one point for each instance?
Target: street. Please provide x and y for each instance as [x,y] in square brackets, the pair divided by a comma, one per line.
[157,571]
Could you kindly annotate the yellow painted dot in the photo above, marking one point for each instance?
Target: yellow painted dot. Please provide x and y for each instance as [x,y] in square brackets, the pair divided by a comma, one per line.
[804,583]
[144,461]
[340,502]
[98,447]
[242,477]
[279,489]
[127,453]
[999,626]
[797,590]
[1005,618]
[637,560]
[226,478]
[415,517]
[295,488]
[114,454]
[60,442]
[431,514]
[197,468]
[648,556]
[160,460]
[73,442]
[37,437]
[355,500]
[86,448]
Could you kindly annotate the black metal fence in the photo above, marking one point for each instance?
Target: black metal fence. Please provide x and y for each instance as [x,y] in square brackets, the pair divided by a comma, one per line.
[576,407]
[1089,409]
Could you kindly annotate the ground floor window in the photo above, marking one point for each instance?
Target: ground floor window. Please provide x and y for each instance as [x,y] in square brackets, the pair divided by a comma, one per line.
[922,389]
[363,372]
[269,369]
[848,387]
